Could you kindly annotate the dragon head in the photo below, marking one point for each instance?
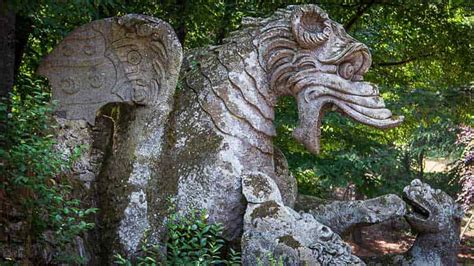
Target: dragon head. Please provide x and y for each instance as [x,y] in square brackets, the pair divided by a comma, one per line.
[432,210]
[323,68]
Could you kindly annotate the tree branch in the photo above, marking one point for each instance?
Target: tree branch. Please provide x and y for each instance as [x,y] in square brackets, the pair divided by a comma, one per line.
[362,9]
[402,62]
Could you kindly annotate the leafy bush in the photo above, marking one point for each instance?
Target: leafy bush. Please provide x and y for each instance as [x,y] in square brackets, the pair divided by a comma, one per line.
[33,174]
[192,240]
[269,259]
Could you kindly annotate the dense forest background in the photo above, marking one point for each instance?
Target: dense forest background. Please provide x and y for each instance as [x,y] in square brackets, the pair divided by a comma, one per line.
[422,60]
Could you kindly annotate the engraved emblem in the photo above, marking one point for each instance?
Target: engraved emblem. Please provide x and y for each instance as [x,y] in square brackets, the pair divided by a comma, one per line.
[68,85]
[89,49]
[67,50]
[95,80]
[134,57]
[139,94]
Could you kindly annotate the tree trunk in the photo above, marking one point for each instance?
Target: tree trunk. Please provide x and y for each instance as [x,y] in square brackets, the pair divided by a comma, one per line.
[7,50]
[421,160]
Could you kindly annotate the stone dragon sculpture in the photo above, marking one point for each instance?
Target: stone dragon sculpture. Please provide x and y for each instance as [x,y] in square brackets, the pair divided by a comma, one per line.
[197,143]
[436,219]
[232,90]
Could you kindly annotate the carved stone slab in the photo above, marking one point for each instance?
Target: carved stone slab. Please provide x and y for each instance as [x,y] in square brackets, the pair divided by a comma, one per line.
[133,59]
[111,60]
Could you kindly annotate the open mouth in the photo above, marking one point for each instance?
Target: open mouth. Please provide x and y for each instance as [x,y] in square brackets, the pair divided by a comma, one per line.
[323,92]
[416,210]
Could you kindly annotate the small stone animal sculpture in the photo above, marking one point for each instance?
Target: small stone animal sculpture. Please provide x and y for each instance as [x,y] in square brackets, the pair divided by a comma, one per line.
[149,142]
[436,218]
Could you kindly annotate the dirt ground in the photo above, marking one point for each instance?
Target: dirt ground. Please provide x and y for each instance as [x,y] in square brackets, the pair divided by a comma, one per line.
[378,241]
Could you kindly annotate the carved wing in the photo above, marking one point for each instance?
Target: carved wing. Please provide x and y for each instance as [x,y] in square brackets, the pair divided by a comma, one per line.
[126,59]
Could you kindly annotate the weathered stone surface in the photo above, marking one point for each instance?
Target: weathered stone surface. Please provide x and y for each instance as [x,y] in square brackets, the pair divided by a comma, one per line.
[343,216]
[284,179]
[75,136]
[115,80]
[258,189]
[272,230]
[436,218]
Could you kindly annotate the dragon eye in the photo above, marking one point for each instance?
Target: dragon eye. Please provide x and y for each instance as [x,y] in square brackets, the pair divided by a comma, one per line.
[346,70]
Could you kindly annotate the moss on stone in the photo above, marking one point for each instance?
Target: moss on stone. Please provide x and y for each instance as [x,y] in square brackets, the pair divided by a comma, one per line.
[266,209]
[112,185]
[290,241]
[258,183]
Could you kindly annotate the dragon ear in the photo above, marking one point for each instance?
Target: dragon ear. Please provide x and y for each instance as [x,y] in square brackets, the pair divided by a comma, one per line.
[310,26]
[132,59]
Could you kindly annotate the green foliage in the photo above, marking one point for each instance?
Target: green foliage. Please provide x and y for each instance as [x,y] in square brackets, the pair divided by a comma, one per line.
[192,240]
[32,172]
[151,255]
[270,260]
